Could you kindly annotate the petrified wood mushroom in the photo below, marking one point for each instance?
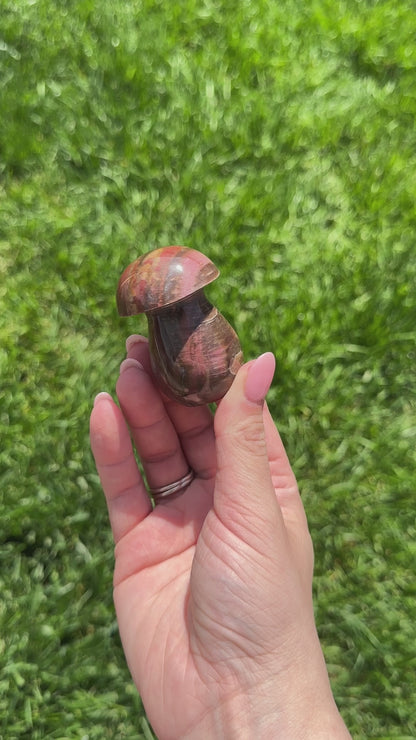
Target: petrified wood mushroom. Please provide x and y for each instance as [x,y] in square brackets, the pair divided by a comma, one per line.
[194,351]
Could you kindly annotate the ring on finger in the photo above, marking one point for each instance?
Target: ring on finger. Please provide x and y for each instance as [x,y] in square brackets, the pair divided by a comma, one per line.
[175,488]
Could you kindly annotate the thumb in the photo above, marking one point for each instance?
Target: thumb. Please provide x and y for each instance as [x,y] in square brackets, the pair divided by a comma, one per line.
[244,496]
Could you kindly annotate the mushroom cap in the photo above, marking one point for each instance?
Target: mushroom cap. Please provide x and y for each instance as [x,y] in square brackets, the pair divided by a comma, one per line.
[161,278]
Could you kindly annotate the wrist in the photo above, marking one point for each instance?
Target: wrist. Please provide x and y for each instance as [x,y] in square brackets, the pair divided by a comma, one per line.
[245,718]
[298,705]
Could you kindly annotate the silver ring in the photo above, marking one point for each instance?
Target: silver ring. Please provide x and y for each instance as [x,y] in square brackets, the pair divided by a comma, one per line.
[178,486]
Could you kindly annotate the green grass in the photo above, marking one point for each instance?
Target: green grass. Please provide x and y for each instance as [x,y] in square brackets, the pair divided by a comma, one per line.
[280,139]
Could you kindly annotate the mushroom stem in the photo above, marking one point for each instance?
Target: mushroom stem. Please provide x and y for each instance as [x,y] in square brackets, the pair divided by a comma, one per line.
[194,351]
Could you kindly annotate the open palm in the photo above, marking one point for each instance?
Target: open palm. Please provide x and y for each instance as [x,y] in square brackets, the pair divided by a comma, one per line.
[213,588]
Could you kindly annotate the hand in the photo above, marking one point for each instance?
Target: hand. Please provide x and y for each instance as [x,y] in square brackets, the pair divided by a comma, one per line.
[213,588]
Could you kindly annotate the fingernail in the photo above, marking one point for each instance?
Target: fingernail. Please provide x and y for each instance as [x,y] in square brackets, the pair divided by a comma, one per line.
[104,396]
[130,362]
[134,339]
[259,377]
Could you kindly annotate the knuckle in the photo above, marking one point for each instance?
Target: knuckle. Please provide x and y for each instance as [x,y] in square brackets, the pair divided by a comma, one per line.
[248,435]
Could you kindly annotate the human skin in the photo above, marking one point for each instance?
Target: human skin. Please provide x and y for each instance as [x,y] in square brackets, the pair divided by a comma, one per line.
[212,589]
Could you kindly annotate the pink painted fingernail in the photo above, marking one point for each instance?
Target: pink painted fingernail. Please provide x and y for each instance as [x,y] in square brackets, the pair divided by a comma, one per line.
[259,377]
[135,339]
[130,362]
[103,396]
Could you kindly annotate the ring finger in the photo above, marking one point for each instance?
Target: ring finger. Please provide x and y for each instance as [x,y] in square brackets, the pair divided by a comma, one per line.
[193,424]
[152,430]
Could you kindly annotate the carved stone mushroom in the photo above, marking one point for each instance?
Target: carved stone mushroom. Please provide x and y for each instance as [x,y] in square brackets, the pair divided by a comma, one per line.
[194,352]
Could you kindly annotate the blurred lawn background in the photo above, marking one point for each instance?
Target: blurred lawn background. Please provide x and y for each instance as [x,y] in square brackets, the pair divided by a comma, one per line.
[279,138]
